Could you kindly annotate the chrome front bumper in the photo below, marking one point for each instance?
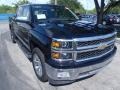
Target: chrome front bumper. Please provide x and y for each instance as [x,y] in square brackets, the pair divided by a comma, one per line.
[75,73]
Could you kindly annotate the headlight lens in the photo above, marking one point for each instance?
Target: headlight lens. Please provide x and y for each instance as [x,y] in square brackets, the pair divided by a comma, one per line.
[58,48]
[61,55]
[66,55]
[66,45]
[56,44]
[61,45]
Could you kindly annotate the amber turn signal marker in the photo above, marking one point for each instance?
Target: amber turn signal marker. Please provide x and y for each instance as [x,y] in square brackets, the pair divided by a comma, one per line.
[55,55]
[56,44]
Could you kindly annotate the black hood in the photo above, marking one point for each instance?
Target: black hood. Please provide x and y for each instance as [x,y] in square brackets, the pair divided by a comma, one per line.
[74,29]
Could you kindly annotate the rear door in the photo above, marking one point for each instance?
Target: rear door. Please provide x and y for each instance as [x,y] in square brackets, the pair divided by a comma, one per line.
[23,24]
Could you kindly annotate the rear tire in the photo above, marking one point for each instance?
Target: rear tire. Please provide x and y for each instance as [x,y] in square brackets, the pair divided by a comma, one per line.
[38,61]
[13,37]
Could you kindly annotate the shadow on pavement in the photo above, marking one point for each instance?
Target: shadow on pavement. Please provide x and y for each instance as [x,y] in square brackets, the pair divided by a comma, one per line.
[16,79]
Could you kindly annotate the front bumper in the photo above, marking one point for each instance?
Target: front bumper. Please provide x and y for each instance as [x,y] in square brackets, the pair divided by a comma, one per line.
[70,75]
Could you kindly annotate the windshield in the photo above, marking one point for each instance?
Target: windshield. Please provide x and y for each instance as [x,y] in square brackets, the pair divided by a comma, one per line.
[53,12]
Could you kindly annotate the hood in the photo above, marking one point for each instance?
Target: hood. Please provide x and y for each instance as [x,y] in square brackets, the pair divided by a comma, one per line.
[73,29]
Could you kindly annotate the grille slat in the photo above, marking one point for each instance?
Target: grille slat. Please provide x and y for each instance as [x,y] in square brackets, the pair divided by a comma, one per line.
[94,42]
[95,53]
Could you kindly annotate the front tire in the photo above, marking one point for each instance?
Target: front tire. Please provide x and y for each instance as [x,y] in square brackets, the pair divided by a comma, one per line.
[38,61]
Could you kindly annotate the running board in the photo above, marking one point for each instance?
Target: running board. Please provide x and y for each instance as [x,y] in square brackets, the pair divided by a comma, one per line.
[26,52]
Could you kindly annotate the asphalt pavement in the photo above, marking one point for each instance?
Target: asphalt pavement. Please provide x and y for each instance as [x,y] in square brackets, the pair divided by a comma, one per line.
[16,71]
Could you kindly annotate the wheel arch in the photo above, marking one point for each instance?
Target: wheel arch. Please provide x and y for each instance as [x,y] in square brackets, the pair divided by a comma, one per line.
[42,47]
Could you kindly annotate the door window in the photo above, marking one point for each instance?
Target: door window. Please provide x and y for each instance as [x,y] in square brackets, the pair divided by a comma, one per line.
[23,13]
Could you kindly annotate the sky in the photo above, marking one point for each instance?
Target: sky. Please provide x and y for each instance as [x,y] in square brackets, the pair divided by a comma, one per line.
[87,4]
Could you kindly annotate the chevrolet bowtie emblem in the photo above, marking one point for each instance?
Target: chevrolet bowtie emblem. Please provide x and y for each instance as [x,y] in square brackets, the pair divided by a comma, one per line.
[103,46]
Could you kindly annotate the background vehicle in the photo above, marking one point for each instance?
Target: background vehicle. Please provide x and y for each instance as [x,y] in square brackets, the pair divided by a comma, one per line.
[108,19]
[63,49]
[118,19]
[112,19]
[88,17]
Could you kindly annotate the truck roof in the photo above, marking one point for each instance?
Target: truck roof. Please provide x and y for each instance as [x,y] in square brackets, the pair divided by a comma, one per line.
[40,5]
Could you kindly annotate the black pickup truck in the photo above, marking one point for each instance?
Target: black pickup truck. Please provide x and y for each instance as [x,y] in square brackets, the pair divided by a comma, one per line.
[63,49]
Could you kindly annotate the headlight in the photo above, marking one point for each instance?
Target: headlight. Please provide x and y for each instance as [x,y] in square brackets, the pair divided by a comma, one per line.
[57,49]
[61,45]
[61,56]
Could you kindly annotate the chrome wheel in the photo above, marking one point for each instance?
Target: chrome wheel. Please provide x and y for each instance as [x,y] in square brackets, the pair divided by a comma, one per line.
[37,65]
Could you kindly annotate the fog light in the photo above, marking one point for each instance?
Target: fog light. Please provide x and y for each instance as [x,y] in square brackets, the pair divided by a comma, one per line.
[63,74]
[55,55]
[61,56]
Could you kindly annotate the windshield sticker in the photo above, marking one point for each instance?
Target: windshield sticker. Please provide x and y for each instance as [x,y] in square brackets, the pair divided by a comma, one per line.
[41,16]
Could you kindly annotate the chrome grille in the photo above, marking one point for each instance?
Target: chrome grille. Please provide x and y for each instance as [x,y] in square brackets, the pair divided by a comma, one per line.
[94,47]
[94,53]
[94,42]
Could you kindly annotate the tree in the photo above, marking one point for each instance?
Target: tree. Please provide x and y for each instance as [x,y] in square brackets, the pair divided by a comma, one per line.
[114,10]
[20,2]
[74,5]
[11,9]
[113,5]
[93,11]
[6,9]
[101,8]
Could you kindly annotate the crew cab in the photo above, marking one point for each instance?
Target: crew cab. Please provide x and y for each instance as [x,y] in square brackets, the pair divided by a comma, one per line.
[62,48]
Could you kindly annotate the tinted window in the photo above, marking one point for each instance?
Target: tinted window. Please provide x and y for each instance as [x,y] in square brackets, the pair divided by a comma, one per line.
[19,11]
[53,12]
[23,13]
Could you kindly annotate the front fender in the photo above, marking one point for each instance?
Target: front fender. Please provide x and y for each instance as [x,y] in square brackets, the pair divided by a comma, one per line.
[41,41]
